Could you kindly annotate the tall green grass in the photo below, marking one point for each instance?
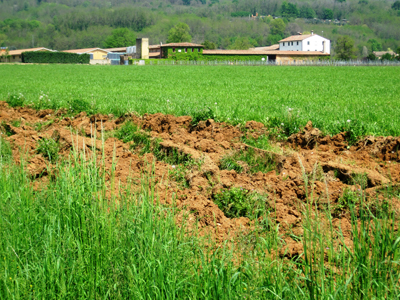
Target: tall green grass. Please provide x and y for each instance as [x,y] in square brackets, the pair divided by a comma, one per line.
[279,96]
[72,239]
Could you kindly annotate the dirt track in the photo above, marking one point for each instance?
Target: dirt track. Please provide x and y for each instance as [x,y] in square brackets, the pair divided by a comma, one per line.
[328,163]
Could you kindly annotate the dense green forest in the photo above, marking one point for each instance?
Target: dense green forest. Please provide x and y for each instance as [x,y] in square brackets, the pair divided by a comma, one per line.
[68,24]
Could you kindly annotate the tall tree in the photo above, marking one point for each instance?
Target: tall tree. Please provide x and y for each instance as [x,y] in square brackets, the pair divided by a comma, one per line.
[179,34]
[121,37]
[345,48]
[242,43]
[277,27]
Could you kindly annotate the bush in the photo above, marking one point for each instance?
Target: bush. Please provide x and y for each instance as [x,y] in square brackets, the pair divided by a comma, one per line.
[55,58]
[48,148]
[238,202]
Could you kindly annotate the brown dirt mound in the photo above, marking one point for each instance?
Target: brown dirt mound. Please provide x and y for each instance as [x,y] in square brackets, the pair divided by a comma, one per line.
[309,164]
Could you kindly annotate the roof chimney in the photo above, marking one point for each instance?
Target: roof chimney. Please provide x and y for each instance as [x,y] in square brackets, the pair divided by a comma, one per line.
[312,32]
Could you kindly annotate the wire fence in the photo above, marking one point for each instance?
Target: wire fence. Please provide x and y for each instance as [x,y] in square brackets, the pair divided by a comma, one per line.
[336,63]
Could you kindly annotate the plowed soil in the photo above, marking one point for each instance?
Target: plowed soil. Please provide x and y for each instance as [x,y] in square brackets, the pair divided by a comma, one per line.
[308,165]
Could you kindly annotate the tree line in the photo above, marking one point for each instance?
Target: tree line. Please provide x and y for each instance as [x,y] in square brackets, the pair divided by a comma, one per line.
[67,24]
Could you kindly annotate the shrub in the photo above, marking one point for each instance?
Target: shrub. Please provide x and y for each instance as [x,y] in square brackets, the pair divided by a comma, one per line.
[55,58]
[239,202]
[48,148]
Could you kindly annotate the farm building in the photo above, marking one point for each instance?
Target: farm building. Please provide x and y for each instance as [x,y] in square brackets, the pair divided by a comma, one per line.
[177,49]
[379,54]
[16,55]
[278,56]
[97,55]
[306,42]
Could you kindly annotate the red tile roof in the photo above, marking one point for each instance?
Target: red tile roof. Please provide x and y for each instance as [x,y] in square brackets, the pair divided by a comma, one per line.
[254,52]
[154,54]
[84,50]
[267,48]
[19,52]
[120,49]
[296,38]
[154,46]
[182,45]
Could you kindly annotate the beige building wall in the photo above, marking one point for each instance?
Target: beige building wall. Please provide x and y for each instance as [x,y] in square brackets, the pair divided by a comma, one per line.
[292,60]
[98,54]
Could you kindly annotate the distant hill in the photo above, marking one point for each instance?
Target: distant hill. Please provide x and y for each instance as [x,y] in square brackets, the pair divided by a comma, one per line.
[67,24]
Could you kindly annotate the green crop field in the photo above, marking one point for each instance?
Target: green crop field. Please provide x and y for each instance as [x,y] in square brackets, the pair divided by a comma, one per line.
[334,98]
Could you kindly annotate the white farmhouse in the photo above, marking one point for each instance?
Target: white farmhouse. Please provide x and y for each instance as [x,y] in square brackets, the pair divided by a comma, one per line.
[306,42]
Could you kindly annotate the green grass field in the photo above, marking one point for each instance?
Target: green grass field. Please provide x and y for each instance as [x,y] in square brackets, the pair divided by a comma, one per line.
[329,96]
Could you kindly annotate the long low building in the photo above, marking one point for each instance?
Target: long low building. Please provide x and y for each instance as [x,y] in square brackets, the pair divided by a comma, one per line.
[279,56]
[16,55]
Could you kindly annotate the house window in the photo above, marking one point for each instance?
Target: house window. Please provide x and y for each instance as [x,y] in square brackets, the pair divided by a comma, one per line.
[283,43]
[192,49]
[185,50]
[308,43]
[297,43]
[173,49]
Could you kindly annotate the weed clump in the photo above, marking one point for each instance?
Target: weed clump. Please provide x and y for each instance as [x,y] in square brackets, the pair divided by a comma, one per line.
[239,202]
[248,160]
[5,151]
[6,129]
[77,106]
[15,100]
[48,148]
[202,115]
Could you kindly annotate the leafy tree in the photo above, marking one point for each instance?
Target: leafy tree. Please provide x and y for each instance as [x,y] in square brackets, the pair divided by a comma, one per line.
[396,5]
[398,51]
[209,45]
[289,10]
[121,37]
[345,48]
[186,2]
[273,39]
[241,43]
[374,45]
[179,34]
[307,12]
[277,26]
[3,38]
[327,14]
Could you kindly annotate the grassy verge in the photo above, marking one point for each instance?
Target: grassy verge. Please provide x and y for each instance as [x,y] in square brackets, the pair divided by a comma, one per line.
[72,240]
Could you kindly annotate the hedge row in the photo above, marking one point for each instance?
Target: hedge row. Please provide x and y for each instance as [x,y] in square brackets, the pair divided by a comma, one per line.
[55,58]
